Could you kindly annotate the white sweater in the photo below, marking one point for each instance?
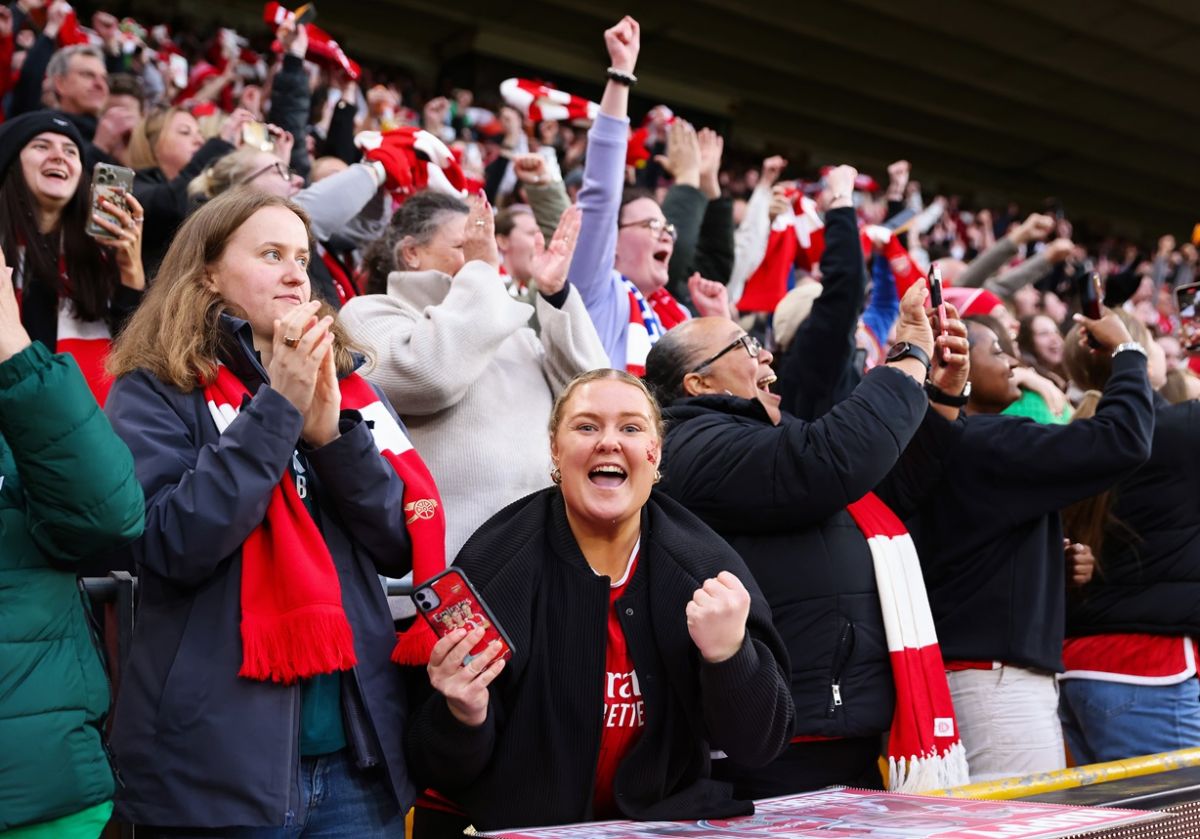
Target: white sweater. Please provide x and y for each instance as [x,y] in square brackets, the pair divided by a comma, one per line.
[472,381]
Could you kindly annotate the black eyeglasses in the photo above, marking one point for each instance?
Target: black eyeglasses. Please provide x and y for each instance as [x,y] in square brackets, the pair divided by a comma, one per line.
[749,342]
[656,226]
[280,169]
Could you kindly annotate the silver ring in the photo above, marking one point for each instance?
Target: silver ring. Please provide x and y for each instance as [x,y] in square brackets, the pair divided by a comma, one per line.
[138,221]
[481,223]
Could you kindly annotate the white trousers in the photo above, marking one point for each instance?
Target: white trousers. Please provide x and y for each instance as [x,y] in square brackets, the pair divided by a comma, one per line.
[1008,719]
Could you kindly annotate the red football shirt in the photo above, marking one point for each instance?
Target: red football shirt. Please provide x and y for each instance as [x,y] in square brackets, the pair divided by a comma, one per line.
[623,706]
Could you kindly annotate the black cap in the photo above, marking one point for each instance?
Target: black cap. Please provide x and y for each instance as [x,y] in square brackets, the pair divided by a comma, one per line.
[16,133]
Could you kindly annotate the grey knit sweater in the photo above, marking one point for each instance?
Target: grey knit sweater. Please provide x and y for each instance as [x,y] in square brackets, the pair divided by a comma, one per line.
[472,381]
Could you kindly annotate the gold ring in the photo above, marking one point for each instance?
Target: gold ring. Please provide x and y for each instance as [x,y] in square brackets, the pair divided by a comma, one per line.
[291,342]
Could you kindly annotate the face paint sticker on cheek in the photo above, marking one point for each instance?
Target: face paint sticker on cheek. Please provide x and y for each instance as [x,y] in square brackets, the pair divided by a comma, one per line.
[650,456]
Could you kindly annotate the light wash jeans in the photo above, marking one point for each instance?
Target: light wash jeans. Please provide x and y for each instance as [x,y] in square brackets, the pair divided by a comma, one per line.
[1111,720]
[1008,719]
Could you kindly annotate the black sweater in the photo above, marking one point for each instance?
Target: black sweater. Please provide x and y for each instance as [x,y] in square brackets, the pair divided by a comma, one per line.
[1148,576]
[990,537]
[533,760]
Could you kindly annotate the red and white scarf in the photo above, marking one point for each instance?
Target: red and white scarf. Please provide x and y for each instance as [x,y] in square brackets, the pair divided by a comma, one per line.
[667,309]
[644,330]
[797,238]
[925,751]
[539,101]
[293,624]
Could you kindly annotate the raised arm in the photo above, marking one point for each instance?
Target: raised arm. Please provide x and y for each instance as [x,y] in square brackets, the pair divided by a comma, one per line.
[1035,228]
[591,269]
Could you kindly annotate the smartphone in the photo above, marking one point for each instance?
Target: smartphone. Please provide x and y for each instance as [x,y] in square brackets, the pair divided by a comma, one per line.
[448,602]
[112,183]
[1091,295]
[936,300]
[1189,331]
[306,13]
[256,136]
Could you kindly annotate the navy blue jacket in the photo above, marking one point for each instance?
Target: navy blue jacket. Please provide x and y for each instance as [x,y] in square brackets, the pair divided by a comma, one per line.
[196,745]
[778,495]
[1148,578]
[990,536]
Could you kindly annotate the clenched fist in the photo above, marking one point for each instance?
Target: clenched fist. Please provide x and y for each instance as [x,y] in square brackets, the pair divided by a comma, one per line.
[716,617]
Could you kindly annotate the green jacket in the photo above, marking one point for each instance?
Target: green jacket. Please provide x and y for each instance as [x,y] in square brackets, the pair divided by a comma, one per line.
[67,492]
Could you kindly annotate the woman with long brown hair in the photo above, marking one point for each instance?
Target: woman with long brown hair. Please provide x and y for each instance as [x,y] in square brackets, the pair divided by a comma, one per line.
[75,288]
[1130,684]
[259,694]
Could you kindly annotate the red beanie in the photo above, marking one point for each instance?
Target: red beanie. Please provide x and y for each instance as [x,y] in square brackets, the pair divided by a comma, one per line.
[971,301]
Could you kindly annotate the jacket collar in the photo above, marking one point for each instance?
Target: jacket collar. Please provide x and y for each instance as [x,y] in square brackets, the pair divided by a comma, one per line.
[419,288]
[690,407]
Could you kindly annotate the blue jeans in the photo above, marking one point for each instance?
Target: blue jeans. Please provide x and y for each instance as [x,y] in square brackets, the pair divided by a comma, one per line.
[337,801]
[1106,721]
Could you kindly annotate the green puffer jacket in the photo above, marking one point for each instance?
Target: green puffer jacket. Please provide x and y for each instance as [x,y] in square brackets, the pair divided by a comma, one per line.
[67,492]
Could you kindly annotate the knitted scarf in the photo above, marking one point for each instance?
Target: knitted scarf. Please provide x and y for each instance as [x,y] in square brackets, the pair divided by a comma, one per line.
[293,623]
[667,309]
[539,101]
[924,748]
[797,238]
[644,330]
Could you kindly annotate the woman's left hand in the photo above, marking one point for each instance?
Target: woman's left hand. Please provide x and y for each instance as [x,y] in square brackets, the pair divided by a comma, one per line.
[716,617]
[321,418]
[550,264]
[951,353]
[126,241]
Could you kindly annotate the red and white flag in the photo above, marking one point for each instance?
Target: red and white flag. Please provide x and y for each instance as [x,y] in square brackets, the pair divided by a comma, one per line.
[797,239]
[925,751]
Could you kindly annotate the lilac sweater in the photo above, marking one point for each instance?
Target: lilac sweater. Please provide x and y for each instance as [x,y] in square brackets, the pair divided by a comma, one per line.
[592,273]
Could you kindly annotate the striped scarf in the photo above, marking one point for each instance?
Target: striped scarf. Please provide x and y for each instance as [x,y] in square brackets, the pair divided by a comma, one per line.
[925,751]
[644,330]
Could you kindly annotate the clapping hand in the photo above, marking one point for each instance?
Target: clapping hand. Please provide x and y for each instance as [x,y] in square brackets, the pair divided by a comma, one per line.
[550,263]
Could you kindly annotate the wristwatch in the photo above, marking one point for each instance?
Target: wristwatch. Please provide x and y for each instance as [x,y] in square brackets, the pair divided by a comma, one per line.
[1129,345]
[904,349]
[936,394]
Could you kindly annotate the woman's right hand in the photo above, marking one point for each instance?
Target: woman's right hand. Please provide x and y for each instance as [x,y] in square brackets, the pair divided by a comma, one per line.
[624,41]
[294,370]
[914,326]
[465,686]
[1110,331]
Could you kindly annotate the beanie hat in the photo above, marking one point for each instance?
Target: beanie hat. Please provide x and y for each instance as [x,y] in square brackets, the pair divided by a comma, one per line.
[16,133]
[972,301]
[793,310]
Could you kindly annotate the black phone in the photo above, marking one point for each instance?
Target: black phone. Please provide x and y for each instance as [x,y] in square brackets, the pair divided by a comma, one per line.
[1189,325]
[1091,296]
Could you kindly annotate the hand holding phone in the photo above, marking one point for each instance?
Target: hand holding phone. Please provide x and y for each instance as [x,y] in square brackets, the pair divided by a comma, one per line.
[111,183]
[448,602]
[1189,325]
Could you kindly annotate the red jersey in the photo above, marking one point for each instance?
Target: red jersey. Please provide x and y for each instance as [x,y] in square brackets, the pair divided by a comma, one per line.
[623,705]
[1130,658]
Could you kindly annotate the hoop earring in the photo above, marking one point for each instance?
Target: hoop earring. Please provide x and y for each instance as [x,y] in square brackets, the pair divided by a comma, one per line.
[657,476]
[556,475]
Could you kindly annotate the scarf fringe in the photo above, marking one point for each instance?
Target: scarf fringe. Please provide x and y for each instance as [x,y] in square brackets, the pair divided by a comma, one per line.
[296,645]
[414,645]
[929,772]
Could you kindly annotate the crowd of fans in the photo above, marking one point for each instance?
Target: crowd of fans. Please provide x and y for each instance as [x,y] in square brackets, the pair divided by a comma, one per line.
[795,525]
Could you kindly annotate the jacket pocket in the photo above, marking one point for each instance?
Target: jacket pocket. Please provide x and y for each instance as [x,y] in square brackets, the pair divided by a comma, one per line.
[841,657]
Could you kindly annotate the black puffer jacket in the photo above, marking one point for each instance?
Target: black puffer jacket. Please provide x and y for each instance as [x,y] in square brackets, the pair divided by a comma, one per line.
[778,494]
[1149,571]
